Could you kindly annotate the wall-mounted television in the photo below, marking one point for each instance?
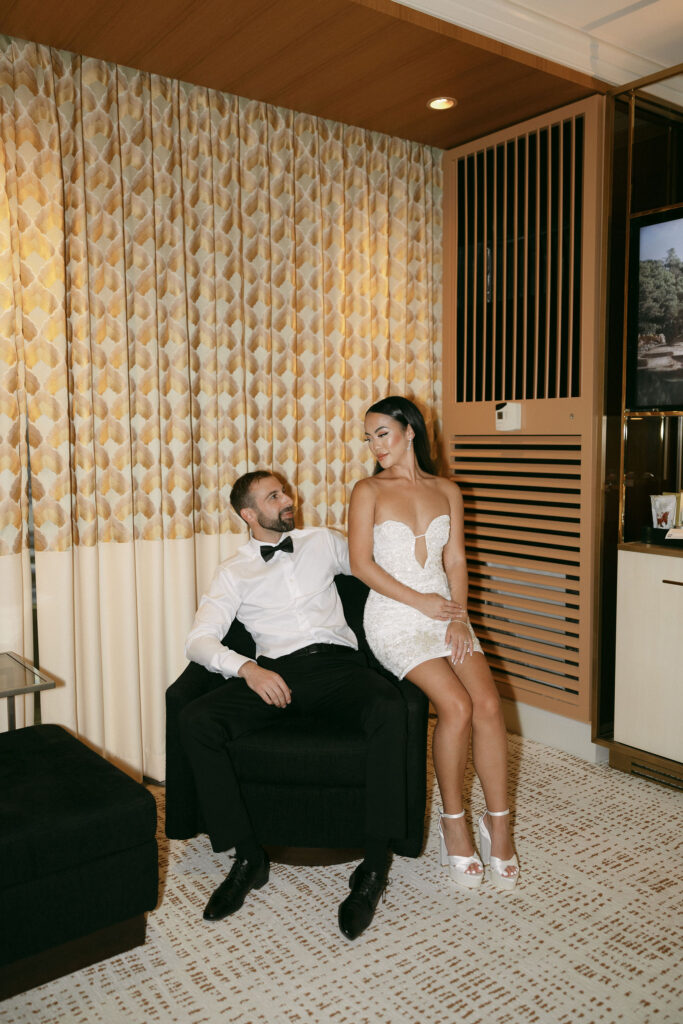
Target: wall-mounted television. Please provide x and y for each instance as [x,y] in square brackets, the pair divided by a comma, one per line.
[654,377]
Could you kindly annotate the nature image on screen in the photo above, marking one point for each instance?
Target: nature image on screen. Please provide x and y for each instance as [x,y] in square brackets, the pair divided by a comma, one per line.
[659,371]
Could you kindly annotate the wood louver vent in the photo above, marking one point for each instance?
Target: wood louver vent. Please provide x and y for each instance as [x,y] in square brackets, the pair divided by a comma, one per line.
[522,243]
[518,206]
[523,500]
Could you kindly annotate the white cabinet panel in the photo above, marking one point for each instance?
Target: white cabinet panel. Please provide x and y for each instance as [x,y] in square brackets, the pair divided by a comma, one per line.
[648,700]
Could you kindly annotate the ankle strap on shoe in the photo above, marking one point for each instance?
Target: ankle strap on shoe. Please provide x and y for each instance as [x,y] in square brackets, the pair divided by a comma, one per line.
[444,815]
[498,814]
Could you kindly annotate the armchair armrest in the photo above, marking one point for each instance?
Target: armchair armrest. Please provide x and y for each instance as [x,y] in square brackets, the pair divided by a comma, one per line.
[417,715]
[182,811]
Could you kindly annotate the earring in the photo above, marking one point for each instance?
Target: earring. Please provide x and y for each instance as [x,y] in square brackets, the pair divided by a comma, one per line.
[410,443]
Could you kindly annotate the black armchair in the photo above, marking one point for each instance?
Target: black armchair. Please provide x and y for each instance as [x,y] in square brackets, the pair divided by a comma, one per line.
[302,780]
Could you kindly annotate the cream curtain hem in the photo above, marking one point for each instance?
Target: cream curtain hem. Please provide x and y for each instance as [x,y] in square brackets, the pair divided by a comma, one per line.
[133,605]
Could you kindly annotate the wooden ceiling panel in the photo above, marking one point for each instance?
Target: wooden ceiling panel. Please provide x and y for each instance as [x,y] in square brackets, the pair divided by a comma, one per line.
[242,48]
[372,63]
[362,76]
[327,54]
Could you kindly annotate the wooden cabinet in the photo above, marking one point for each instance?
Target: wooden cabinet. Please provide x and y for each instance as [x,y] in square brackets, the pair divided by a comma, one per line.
[638,704]
[648,704]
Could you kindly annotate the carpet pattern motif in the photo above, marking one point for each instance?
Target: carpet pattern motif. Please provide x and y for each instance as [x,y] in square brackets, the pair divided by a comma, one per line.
[593,933]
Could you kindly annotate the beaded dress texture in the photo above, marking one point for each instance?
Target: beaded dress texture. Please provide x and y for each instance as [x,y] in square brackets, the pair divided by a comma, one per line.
[399,636]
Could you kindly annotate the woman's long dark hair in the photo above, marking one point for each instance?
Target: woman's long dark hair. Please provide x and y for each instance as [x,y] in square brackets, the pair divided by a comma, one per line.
[407,413]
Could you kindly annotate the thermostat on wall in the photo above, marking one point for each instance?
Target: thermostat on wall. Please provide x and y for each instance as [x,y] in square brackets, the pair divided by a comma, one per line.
[508,415]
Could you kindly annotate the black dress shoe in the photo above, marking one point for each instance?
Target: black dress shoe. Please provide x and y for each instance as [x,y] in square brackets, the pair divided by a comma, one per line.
[231,893]
[358,909]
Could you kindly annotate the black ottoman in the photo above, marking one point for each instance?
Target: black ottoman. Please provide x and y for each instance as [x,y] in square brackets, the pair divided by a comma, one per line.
[78,857]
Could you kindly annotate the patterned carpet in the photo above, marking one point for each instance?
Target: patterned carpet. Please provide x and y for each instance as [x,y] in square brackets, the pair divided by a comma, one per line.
[593,933]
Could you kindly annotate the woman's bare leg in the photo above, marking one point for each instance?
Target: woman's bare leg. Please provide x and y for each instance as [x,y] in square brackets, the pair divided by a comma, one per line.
[450,743]
[489,747]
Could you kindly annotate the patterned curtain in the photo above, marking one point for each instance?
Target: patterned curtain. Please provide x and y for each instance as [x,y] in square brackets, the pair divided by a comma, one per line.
[192,285]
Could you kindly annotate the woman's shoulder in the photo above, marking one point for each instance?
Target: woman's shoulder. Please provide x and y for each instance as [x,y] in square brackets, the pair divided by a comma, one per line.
[364,492]
[366,485]
[447,487]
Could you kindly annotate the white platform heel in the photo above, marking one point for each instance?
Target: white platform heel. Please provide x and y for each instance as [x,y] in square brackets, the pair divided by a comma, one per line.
[500,879]
[459,865]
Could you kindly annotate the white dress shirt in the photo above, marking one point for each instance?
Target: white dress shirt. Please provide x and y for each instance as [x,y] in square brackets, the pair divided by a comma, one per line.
[286,603]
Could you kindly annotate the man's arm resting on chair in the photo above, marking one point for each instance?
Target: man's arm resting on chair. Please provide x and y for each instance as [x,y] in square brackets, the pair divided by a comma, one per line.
[217,609]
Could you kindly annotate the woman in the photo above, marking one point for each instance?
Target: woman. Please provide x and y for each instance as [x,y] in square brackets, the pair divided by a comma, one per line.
[406,541]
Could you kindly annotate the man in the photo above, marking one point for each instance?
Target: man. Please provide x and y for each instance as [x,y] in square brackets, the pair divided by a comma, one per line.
[307,663]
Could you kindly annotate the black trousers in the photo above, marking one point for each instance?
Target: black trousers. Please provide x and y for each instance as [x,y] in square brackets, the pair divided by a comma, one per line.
[336,684]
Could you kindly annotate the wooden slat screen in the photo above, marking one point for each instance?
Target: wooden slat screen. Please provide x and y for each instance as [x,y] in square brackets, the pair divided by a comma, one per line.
[523,235]
[518,243]
[523,530]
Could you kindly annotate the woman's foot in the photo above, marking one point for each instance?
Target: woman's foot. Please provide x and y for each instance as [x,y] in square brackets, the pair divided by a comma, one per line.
[496,848]
[457,850]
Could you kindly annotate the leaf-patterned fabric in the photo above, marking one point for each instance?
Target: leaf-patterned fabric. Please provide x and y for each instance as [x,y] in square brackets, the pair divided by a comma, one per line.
[192,285]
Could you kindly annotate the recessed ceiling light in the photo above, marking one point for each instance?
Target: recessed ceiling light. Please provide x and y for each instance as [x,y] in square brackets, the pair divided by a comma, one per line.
[442,103]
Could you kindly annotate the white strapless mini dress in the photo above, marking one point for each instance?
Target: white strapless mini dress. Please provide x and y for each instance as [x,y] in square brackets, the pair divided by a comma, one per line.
[400,636]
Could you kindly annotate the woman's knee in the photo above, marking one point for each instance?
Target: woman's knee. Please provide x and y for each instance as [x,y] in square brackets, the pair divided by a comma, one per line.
[455,708]
[487,707]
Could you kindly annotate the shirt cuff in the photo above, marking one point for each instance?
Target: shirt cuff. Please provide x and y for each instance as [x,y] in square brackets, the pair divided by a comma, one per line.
[210,653]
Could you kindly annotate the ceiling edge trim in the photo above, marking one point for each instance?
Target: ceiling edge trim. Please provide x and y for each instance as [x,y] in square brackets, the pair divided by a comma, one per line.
[545,37]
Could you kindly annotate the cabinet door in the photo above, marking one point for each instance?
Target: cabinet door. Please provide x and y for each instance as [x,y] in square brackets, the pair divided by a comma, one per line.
[648,704]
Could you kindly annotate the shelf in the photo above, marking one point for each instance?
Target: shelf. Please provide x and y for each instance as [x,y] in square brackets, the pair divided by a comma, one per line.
[651,549]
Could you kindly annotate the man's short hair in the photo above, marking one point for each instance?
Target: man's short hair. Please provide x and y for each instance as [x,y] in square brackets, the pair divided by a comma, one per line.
[240,494]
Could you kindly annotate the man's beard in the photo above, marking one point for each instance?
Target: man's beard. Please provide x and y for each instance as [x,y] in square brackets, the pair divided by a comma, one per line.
[278,525]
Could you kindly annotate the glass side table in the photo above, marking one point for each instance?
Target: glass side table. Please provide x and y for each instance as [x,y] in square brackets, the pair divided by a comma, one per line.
[18,678]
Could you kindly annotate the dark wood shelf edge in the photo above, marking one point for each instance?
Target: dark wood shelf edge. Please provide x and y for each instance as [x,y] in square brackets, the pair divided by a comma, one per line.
[643,764]
[652,549]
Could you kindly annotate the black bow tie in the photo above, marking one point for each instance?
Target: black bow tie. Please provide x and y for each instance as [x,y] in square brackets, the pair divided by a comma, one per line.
[267,550]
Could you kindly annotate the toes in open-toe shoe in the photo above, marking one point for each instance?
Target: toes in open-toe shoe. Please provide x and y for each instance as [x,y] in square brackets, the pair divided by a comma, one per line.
[502,876]
[461,867]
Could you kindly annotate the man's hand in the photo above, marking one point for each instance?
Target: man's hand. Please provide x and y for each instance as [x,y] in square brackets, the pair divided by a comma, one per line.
[270,687]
